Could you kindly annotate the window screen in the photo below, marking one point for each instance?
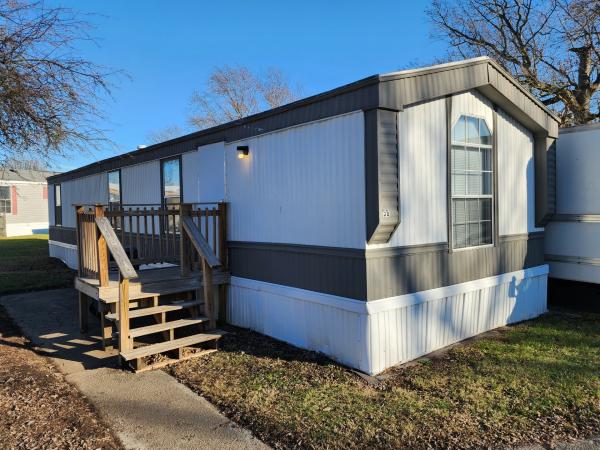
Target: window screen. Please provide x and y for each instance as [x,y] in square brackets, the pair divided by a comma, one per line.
[471,183]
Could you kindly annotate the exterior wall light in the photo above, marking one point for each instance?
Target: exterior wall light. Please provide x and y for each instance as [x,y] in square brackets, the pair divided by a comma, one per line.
[242,151]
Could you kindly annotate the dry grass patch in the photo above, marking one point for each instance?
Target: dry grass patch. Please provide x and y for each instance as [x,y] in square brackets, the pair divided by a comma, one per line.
[536,382]
[26,266]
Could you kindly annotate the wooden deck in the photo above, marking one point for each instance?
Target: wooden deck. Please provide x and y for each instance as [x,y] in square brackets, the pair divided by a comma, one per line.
[148,283]
[162,314]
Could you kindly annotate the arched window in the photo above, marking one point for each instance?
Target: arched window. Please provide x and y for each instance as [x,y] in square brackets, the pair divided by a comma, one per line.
[471,183]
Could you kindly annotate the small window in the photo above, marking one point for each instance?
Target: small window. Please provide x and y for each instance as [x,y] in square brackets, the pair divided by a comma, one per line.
[471,183]
[57,205]
[171,181]
[114,188]
[5,204]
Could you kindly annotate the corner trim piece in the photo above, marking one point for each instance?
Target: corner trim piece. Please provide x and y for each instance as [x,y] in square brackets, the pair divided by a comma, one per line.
[382,188]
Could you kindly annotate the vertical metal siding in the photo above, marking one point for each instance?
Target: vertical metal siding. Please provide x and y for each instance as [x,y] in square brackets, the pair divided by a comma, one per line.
[422,172]
[374,336]
[66,255]
[516,177]
[87,190]
[401,334]
[284,315]
[577,180]
[302,185]
[140,184]
[203,173]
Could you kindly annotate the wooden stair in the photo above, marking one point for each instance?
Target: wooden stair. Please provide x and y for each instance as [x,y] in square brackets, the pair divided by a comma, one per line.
[160,327]
[142,355]
[141,312]
[175,344]
[157,315]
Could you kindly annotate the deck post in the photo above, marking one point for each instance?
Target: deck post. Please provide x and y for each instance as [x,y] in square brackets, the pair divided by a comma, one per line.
[78,212]
[208,294]
[124,343]
[185,254]
[223,234]
[102,252]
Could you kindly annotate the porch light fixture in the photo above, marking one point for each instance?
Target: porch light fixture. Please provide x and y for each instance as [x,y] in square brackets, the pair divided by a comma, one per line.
[242,151]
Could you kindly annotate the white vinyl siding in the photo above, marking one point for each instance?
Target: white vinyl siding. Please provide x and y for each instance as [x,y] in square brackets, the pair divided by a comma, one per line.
[516,177]
[204,174]
[82,191]
[140,184]
[301,185]
[422,172]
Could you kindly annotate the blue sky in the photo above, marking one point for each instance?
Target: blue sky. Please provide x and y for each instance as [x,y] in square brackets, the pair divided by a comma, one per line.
[168,50]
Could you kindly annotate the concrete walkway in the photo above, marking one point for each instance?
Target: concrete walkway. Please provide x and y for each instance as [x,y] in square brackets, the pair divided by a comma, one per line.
[150,410]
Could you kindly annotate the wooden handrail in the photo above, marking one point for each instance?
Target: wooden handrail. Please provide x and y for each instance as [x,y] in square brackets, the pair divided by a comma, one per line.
[115,248]
[200,244]
[126,271]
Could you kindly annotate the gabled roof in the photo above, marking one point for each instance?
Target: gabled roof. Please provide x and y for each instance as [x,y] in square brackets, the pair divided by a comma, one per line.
[395,91]
[34,176]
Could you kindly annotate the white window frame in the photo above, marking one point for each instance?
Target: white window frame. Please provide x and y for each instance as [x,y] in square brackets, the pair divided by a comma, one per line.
[492,173]
[7,202]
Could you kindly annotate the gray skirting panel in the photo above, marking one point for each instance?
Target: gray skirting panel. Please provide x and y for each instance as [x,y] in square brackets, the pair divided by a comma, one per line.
[66,235]
[381,273]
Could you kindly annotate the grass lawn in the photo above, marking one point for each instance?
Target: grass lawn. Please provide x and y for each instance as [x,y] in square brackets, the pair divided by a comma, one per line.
[26,266]
[538,381]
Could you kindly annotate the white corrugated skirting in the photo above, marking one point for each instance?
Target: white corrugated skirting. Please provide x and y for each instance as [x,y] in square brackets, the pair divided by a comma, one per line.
[67,253]
[26,228]
[372,336]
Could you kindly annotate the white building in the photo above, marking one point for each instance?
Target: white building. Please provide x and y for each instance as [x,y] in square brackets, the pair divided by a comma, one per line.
[23,202]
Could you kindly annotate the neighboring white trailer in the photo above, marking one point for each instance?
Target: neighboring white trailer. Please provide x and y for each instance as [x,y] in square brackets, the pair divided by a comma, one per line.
[573,235]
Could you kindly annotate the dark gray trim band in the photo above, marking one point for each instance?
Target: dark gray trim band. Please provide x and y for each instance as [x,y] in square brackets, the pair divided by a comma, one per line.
[583,218]
[389,276]
[585,260]
[449,173]
[65,235]
[545,179]
[379,273]
[382,191]
[335,271]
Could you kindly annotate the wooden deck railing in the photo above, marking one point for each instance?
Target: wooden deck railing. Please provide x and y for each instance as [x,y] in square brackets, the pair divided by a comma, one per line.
[148,234]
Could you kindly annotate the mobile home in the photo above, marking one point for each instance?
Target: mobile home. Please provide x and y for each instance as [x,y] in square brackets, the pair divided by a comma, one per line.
[23,202]
[375,222]
[573,235]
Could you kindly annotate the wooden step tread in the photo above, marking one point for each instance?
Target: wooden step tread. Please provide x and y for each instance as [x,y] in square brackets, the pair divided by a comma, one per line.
[171,345]
[157,328]
[157,309]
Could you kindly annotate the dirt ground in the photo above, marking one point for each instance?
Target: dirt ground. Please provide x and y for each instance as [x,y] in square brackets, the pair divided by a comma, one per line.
[38,408]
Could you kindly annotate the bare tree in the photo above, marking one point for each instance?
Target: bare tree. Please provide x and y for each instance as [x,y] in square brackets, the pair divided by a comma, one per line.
[25,164]
[165,134]
[551,46]
[235,92]
[49,95]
